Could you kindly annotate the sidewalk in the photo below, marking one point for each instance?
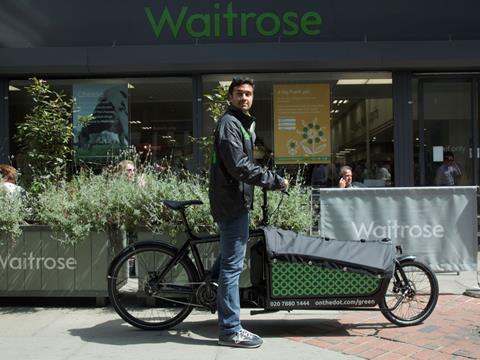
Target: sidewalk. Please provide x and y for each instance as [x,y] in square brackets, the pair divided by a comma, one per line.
[451,332]
[98,333]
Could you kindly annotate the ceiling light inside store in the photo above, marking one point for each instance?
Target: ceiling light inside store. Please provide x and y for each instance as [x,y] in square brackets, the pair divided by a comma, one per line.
[379,81]
[13,88]
[364,81]
[352,82]
[130,86]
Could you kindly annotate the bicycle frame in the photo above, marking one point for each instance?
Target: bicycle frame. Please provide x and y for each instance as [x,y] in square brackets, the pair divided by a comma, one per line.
[191,245]
[269,302]
[369,291]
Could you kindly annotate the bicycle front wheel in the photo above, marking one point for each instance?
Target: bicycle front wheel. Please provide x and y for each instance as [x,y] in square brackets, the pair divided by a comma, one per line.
[141,297]
[410,302]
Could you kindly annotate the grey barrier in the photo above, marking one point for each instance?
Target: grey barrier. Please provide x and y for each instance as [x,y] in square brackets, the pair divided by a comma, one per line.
[437,224]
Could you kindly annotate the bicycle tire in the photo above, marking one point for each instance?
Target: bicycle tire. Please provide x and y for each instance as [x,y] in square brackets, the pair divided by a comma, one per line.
[149,304]
[419,299]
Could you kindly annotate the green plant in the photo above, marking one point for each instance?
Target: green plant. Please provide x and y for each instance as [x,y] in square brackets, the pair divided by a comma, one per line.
[217,104]
[109,202]
[45,136]
[294,212]
[12,214]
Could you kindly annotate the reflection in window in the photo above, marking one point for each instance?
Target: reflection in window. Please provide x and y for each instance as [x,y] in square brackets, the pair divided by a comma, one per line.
[152,115]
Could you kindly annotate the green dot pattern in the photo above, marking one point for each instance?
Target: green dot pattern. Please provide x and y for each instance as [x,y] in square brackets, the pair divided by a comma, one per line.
[300,280]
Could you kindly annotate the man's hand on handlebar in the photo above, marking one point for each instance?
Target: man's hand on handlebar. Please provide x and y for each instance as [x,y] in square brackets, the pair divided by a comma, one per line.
[284,186]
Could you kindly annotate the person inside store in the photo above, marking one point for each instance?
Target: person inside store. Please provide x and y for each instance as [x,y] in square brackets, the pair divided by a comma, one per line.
[449,172]
[233,175]
[383,173]
[8,179]
[346,179]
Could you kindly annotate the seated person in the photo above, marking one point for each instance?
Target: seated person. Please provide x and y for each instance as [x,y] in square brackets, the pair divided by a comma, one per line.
[384,174]
[346,178]
[8,179]
[127,168]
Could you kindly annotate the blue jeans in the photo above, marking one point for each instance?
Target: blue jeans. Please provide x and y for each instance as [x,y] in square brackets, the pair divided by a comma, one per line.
[229,265]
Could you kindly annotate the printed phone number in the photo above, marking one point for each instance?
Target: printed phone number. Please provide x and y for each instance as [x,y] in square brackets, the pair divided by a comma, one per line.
[324,302]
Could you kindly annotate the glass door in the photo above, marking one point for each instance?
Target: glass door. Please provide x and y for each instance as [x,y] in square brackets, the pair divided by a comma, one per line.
[443,132]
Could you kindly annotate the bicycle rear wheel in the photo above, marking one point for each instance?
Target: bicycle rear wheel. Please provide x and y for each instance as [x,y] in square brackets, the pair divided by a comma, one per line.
[411,302]
[144,300]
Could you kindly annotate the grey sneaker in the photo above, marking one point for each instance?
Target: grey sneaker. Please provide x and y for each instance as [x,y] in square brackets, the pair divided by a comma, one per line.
[243,339]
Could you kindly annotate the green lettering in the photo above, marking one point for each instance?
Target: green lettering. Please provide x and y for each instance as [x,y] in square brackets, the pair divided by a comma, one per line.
[203,18]
[243,22]
[290,23]
[166,18]
[216,24]
[276,24]
[230,15]
[212,24]
[311,18]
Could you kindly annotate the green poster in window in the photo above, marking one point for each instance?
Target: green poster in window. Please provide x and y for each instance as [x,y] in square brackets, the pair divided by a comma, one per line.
[302,123]
[107,133]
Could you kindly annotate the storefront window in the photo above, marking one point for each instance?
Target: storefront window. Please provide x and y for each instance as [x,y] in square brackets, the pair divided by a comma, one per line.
[442,120]
[323,121]
[151,115]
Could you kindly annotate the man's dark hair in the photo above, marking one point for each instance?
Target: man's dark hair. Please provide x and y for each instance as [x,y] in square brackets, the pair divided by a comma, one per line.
[448,154]
[237,81]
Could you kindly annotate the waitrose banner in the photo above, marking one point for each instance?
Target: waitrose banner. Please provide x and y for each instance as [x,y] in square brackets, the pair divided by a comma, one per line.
[438,225]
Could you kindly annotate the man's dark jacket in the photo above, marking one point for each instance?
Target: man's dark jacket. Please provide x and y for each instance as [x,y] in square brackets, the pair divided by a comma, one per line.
[233,172]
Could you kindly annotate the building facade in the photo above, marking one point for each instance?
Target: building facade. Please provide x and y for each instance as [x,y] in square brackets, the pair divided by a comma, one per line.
[385,87]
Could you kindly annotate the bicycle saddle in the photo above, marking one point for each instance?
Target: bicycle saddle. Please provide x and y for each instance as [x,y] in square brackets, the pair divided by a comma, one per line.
[181,205]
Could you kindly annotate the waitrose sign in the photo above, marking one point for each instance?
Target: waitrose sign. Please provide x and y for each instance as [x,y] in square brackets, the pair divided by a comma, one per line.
[225,20]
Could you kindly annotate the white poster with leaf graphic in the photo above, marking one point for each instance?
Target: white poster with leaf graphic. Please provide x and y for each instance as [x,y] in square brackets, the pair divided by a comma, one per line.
[302,123]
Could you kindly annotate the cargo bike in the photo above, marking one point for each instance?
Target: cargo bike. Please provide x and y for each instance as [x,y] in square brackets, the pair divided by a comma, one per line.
[153,285]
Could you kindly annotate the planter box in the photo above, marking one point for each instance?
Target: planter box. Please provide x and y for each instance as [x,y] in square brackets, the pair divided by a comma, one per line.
[37,265]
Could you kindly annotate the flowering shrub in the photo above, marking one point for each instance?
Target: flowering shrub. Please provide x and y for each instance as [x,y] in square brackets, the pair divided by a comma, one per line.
[12,214]
[109,202]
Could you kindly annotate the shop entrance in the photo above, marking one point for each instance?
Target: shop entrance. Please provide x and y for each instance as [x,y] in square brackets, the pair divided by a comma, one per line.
[446,142]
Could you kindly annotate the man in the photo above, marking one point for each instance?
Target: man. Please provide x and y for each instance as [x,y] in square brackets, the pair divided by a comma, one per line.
[449,172]
[346,177]
[233,174]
